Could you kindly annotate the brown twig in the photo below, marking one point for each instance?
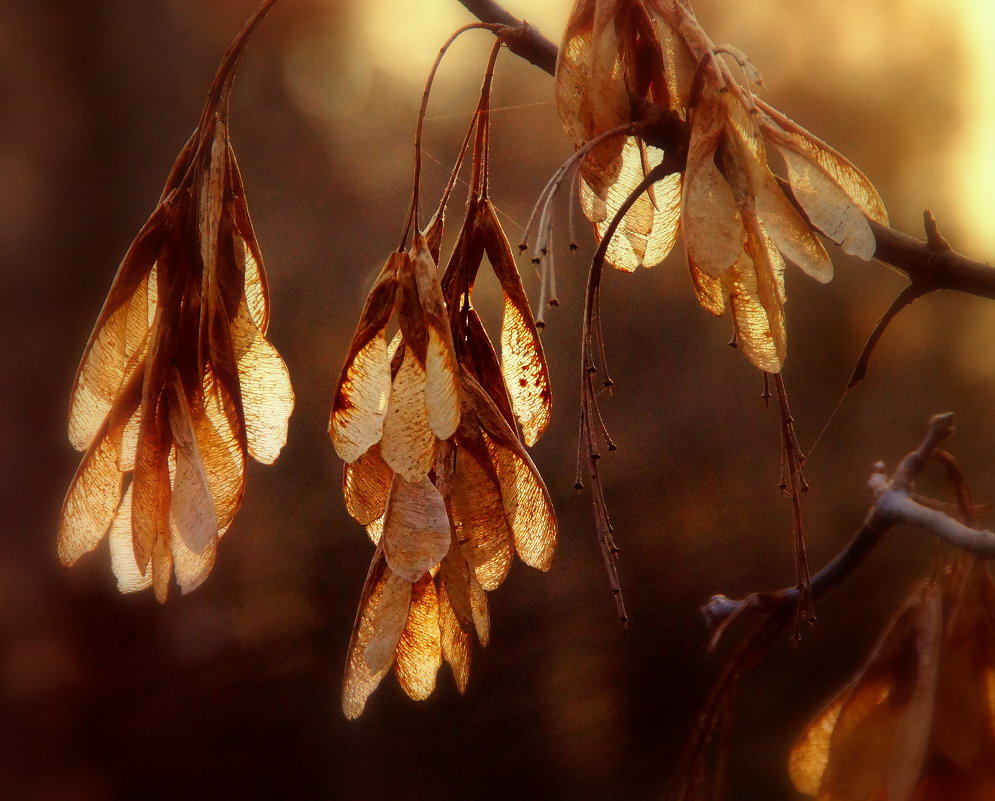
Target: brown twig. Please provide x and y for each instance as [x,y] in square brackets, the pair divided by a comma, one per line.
[530,44]
[893,505]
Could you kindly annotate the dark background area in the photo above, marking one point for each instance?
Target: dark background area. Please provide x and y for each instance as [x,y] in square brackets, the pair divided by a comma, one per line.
[234,690]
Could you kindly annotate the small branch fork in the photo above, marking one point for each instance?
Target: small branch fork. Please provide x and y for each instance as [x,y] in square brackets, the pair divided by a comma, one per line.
[894,505]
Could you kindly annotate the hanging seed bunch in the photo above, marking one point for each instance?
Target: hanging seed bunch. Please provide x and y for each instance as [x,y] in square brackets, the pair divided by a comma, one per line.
[433,429]
[632,73]
[918,721]
[178,384]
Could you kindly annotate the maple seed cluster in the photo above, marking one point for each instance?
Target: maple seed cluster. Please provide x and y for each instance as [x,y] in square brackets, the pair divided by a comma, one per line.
[178,384]
[436,468]
[629,68]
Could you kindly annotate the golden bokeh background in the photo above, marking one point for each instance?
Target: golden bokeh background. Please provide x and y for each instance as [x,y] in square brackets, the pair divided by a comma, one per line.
[232,691]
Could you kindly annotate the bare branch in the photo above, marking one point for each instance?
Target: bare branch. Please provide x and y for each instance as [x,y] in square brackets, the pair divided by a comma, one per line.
[530,44]
[893,505]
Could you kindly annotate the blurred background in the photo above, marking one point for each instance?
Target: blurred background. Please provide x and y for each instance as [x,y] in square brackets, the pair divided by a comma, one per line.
[234,689]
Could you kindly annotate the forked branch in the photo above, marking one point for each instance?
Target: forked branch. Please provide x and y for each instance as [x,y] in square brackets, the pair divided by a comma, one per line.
[893,505]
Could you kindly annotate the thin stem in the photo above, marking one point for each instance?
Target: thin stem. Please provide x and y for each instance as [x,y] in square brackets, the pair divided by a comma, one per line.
[412,217]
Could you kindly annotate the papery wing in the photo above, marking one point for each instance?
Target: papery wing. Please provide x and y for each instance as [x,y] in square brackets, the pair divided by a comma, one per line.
[486,367]
[441,371]
[809,757]
[222,457]
[526,500]
[161,565]
[416,528]
[573,66]
[757,313]
[419,650]
[119,339]
[387,622]
[365,485]
[192,506]
[883,720]
[359,681]
[94,495]
[833,164]
[714,233]
[481,615]
[834,194]
[791,233]
[455,641]
[361,397]
[408,444]
[480,519]
[649,229]
[523,362]
[247,249]
[151,487]
[267,396]
[129,577]
[454,578]
[711,292]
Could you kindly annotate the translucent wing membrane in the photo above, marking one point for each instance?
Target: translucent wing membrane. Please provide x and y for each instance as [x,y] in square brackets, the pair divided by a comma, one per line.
[178,384]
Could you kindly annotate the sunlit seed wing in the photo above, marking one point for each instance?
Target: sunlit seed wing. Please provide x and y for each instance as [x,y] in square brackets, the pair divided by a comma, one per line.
[759,329]
[455,641]
[247,249]
[526,500]
[835,195]
[479,516]
[375,530]
[359,681]
[416,528]
[95,492]
[481,615]
[267,396]
[759,194]
[360,404]
[419,651]
[441,392]
[387,622]
[833,164]
[129,577]
[410,313]
[161,566]
[486,367]
[680,66]
[191,567]
[523,362]
[572,72]
[408,443]
[195,527]
[649,229]
[964,714]
[365,485]
[710,291]
[454,582]
[713,229]
[810,755]
[150,487]
[118,340]
[222,458]
[791,233]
